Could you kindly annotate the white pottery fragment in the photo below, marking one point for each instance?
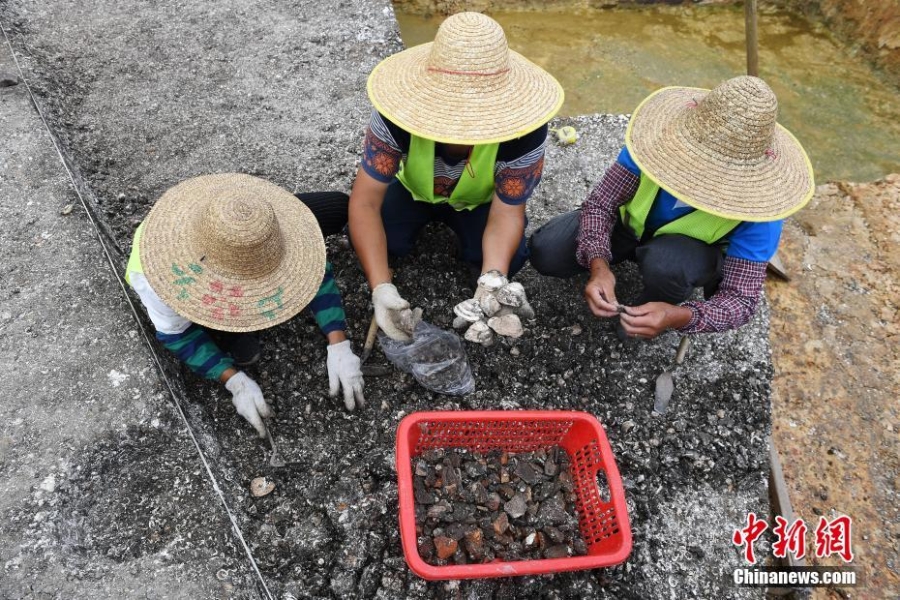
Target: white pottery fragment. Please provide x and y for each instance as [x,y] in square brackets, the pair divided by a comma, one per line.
[507,325]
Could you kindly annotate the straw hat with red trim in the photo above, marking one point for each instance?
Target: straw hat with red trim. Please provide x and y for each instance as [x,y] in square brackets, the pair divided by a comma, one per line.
[232,252]
[721,151]
[465,87]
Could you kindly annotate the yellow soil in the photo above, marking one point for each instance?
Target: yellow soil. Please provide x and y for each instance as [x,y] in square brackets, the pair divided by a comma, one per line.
[834,334]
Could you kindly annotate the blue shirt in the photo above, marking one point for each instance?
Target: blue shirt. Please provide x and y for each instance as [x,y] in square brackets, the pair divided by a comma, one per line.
[749,240]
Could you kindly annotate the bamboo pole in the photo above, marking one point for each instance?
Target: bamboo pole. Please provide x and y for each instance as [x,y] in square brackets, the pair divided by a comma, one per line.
[752,41]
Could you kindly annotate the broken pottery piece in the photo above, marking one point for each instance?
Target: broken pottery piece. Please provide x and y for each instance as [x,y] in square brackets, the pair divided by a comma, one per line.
[261,486]
[409,319]
[460,323]
[445,546]
[492,281]
[507,325]
[512,294]
[480,333]
[470,310]
[489,305]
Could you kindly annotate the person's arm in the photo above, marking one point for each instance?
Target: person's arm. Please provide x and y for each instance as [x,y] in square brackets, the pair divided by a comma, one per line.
[193,346]
[502,235]
[730,307]
[517,173]
[328,310]
[343,366]
[187,341]
[382,153]
[598,217]
[599,213]
[199,352]
[367,228]
[733,304]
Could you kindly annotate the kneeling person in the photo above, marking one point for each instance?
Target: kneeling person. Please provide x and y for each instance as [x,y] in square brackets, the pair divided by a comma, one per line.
[696,198]
[220,257]
[457,137]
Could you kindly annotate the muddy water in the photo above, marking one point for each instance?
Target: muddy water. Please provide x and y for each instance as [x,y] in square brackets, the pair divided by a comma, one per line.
[846,115]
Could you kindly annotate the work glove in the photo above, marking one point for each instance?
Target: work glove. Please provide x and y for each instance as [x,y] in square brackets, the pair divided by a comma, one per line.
[344,372]
[497,308]
[248,400]
[392,313]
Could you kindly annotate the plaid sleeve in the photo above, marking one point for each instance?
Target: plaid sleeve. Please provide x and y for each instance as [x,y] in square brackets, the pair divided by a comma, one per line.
[735,301]
[381,152]
[598,213]
[327,307]
[195,348]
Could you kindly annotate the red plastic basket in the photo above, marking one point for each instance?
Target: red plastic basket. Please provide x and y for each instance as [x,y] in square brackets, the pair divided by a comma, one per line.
[603,521]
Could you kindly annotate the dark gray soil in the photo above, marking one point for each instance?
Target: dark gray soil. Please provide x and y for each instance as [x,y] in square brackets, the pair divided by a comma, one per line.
[145,95]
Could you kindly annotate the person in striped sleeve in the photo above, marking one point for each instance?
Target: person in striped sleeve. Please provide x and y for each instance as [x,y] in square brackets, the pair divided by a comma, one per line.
[209,288]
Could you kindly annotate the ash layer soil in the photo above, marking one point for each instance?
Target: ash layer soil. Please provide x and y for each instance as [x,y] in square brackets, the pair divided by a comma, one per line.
[146,95]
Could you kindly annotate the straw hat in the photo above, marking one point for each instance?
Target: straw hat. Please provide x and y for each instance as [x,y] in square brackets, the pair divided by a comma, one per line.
[721,151]
[465,87]
[232,252]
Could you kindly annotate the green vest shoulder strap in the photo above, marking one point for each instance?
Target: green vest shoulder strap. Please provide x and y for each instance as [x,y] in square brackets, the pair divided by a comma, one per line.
[474,188]
[134,259]
[696,224]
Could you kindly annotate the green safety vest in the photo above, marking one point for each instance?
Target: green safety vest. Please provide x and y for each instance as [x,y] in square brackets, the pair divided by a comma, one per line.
[417,175]
[696,224]
[134,259]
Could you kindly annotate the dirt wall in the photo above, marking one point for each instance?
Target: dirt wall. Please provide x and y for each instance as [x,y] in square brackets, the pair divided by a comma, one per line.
[449,7]
[872,28]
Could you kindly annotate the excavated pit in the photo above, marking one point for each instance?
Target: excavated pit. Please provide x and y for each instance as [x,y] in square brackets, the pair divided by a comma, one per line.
[148,100]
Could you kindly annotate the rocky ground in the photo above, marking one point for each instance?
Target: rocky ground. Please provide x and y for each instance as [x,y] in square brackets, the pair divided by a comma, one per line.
[145,100]
[119,504]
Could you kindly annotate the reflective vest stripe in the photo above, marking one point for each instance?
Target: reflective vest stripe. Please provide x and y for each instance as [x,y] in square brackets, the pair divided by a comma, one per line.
[417,175]
[134,259]
[696,224]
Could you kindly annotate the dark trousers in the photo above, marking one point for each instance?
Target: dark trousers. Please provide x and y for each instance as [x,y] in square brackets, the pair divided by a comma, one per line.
[404,218]
[671,266]
[329,209]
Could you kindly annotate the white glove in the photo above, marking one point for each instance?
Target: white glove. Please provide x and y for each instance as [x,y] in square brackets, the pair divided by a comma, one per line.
[392,313]
[248,400]
[497,308]
[344,372]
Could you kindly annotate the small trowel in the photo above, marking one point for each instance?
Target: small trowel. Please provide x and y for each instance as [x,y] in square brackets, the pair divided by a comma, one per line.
[665,383]
[276,459]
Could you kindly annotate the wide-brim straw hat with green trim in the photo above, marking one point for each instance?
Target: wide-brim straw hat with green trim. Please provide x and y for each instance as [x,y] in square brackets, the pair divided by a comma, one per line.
[465,87]
[232,252]
[721,151]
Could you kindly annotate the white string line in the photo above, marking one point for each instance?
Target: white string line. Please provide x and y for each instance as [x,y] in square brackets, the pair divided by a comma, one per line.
[172,394]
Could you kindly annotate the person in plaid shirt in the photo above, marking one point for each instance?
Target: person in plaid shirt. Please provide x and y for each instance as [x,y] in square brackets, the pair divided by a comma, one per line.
[697,198]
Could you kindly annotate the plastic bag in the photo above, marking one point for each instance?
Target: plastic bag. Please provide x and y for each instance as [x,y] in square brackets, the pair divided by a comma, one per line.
[436,358]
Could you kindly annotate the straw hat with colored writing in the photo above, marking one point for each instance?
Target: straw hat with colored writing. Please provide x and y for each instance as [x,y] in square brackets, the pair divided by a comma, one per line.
[232,252]
[465,87]
[721,151]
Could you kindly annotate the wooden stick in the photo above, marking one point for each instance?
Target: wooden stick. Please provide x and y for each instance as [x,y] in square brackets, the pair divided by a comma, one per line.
[683,346]
[370,339]
[752,40]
